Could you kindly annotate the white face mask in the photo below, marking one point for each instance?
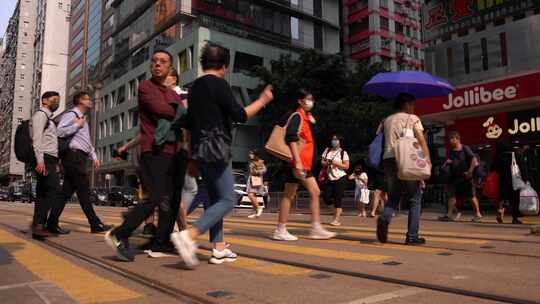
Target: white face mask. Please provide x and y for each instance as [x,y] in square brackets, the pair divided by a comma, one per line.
[307,105]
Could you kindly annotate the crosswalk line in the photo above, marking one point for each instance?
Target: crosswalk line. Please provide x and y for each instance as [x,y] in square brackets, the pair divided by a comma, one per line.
[76,281]
[320,252]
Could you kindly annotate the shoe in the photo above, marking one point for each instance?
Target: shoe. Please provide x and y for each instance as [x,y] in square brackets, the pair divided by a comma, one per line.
[259,211]
[445,218]
[252,216]
[58,230]
[458,216]
[120,246]
[100,228]
[186,247]
[220,257]
[283,235]
[382,230]
[476,219]
[39,233]
[319,233]
[517,222]
[147,245]
[417,241]
[164,248]
[149,229]
[335,223]
[500,217]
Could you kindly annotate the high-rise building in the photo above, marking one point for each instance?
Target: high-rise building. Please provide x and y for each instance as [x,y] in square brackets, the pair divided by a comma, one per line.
[255,32]
[16,82]
[51,50]
[489,50]
[89,34]
[384,31]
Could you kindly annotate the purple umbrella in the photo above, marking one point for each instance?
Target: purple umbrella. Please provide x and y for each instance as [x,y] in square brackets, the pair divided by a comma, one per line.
[419,84]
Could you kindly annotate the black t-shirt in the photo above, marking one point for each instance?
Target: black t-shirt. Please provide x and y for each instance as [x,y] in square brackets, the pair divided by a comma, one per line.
[211,104]
[461,161]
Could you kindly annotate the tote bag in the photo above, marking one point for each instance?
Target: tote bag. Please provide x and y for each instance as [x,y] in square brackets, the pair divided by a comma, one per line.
[411,160]
[528,201]
[276,144]
[517,181]
[256,181]
[376,150]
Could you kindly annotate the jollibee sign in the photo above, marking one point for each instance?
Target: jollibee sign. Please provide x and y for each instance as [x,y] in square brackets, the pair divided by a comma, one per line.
[501,91]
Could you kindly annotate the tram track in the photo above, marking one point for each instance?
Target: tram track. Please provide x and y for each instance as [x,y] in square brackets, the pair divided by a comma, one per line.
[190,298]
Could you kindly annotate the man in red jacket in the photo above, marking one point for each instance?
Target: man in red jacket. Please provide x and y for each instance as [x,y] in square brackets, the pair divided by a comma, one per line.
[159,166]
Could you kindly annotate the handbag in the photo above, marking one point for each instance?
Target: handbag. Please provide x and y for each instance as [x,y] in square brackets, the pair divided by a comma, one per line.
[517,181]
[528,201]
[276,144]
[491,186]
[256,181]
[323,175]
[214,147]
[411,160]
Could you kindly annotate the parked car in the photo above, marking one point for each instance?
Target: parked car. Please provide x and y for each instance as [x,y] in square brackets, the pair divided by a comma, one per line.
[122,196]
[4,194]
[14,193]
[99,196]
[28,193]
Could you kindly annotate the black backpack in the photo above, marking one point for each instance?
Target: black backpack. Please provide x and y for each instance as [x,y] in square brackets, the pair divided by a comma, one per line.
[63,142]
[23,145]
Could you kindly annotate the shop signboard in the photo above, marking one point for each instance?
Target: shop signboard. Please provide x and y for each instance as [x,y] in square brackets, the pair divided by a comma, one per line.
[501,91]
[445,17]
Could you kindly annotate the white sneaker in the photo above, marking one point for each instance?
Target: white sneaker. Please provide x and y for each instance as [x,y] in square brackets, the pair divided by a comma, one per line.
[259,211]
[283,235]
[220,257]
[252,216]
[335,223]
[320,233]
[186,247]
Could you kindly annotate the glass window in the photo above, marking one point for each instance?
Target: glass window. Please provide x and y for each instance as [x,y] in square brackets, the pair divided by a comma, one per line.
[384,23]
[185,60]
[244,63]
[359,26]
[295,28]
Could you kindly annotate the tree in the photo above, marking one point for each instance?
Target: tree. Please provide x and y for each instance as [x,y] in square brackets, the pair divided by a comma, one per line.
[340,105]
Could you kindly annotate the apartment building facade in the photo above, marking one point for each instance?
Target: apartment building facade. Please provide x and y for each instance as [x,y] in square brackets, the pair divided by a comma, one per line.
[384,31]
[255,32]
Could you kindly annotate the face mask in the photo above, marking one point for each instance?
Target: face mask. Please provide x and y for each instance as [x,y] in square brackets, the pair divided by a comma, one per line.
[53,105]
[307,105]
[335,143]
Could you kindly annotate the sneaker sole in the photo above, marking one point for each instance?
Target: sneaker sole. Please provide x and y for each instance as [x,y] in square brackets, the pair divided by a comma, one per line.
[216,261]
[110,243]
[188,259]
[321,237]
[283,240]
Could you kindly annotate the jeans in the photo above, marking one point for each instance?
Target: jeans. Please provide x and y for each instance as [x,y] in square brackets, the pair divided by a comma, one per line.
[189,191]
[398,189]
[219,181]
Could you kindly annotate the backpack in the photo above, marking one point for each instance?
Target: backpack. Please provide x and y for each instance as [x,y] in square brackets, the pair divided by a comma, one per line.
[24,149]
[480,171]
[63,142]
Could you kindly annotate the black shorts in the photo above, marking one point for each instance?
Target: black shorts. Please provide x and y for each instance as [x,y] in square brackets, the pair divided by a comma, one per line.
[288,174]
[378,181]
[462,190]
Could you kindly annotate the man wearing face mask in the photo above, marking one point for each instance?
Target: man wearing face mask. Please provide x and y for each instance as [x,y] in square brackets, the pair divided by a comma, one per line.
[73,125]
[45,144]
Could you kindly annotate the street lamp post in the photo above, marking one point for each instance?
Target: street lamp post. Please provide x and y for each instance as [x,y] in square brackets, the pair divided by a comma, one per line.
[97,100]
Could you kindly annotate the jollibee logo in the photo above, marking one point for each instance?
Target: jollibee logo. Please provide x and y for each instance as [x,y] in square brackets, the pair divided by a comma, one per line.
[480,95]
[494,131]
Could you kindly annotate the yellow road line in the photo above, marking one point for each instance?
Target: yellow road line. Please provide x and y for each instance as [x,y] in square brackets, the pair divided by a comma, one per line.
[263,266]
[320,252]
[396,231]
[81,284]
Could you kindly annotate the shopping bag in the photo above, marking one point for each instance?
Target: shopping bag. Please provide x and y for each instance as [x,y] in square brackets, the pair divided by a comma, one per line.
[517,181]
[411,160]
[364,196]
[256,181]
[528,201]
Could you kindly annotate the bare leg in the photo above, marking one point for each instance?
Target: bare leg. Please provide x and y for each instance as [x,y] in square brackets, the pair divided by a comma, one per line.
[150,218]
[288,195]
[362,208]
[339,211]
[314,197]
[181,220]
[377,197]
[451,207]
[253,198]
[476,206]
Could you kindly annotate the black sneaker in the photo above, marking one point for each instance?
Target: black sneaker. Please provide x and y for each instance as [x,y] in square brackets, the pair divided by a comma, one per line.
[100,228]
[416,241]
[58,230]
[446,218]
[149,229]
[120,246]
[382,230]
[164,248]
